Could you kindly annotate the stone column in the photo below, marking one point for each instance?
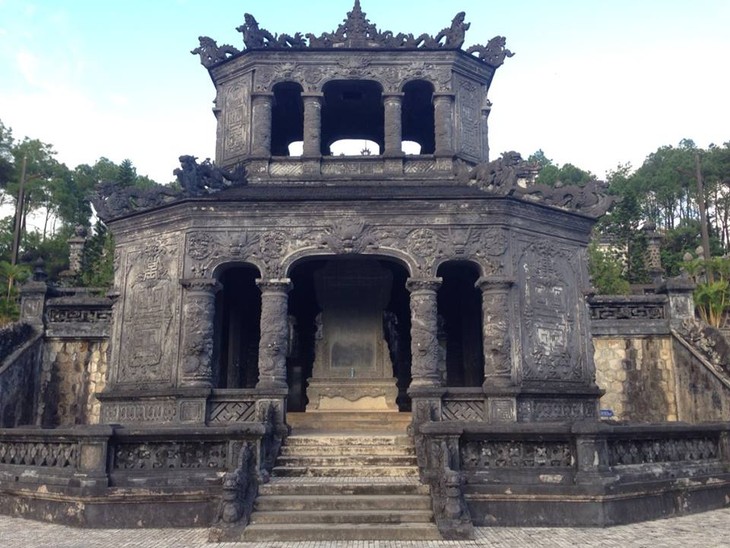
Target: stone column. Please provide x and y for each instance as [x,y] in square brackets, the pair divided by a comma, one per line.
[33,298]
[443,106]
[497,347]
[312,124]
[274,332]
[496,330]
[424,329]
[198,321]
[261,117]
[392,103]
[653,258]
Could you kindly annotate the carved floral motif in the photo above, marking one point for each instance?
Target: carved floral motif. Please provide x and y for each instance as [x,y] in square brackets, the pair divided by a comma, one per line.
[482,454]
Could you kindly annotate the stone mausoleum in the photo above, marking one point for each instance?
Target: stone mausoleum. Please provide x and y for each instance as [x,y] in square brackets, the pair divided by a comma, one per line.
[287,305]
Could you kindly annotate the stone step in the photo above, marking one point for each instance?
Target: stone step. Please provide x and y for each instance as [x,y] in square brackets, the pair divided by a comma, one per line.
[346,450]
[327,419]
[309,461]
[348,486]
[345,471]
[327,440]
[343,532]
[291,503]
[342,516]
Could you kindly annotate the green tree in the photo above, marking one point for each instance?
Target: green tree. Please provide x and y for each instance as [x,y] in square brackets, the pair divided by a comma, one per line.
[607,271]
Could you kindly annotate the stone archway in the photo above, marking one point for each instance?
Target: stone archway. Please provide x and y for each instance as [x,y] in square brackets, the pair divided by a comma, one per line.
[351,348]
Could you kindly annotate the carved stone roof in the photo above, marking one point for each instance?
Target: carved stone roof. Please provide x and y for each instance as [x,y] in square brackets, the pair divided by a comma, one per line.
[355,32]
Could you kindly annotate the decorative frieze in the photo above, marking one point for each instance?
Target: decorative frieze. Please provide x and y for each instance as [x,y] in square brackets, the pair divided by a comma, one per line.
[171,455]
[481,454]
[458,410]
[633,451]
[135,412]
[27,453]
[231,412]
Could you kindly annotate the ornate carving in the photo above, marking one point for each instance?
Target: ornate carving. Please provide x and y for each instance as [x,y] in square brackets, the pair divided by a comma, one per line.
[424,330]
[171,455]
[457,410]
[211,53]
[552,349]
[633,451]
[148,314]
[509,175]
[548,410]
[79,315]
[274,332]
[239,488]
[236,122]
[480,454]
[497,344]
[124,413]
[627,311]
[55,455]
[468,101]
[232,411]
[199,179]
[494,53]
[198,313]
[357,31]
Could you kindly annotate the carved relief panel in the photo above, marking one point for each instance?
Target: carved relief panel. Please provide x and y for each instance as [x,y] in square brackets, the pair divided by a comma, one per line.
[234,122]
[149,312]
[469,134]
[553,313]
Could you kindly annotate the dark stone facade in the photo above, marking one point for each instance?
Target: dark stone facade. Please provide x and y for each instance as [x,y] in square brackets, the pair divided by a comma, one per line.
[213,329]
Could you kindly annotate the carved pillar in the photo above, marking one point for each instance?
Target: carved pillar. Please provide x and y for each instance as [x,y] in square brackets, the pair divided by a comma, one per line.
[198,322]
[443,106]
[424,329]
[274,332]
[261,117]
[497,346]
[392,103]
[496,330]
[312,124]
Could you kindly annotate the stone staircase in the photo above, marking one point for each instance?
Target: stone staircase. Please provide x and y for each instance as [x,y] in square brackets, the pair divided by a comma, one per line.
[343,476]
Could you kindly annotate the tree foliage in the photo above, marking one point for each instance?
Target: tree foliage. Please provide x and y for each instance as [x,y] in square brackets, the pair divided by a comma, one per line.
[58,199]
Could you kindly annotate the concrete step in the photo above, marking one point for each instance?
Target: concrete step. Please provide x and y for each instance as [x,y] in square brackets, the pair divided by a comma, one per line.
[345,471]
[347,450]
[344,532]
[291,503]
[350,461]
[342,516]
[349,486]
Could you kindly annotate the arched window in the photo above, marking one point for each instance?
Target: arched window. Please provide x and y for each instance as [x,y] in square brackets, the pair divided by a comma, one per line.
[287,118]
[417,115]
[352,109]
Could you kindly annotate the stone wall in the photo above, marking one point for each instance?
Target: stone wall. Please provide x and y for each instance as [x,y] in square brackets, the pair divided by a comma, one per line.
[74,370]
[703,391]
[20,356]
[638,375]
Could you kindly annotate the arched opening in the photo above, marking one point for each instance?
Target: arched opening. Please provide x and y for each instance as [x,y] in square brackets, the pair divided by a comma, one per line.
[353,109]
[351,321]
[287,118]
[460,324]
[354,147]
[238,319]
[417,115]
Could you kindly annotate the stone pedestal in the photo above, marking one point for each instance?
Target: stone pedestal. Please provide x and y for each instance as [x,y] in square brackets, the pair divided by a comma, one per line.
[352,368]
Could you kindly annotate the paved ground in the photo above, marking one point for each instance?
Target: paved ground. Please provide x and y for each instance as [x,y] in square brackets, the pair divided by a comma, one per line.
[708,530]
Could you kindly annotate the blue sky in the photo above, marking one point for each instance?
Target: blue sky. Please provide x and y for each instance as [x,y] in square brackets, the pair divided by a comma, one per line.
[595,83]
